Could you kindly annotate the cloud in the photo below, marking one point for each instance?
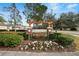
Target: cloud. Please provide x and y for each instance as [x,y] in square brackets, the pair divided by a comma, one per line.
[70,6]
[56,7]
[59,8]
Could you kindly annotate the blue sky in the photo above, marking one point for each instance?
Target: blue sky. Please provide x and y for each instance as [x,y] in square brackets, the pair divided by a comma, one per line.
[57,8]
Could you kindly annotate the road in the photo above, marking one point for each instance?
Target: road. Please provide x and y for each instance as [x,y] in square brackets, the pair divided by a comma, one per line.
[67,32]
[21,53]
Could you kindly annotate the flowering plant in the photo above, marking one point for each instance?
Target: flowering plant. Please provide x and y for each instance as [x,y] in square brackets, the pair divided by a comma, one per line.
[42,46]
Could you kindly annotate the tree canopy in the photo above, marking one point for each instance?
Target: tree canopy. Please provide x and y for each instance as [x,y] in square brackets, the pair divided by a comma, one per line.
[68,20]
[14,13]
[35,11]
[2,19]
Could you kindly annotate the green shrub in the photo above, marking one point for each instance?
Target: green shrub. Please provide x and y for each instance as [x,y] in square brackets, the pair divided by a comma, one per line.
[20,33]
[61,39]
[65,41]
[10,40]
[54,36]
[73,29]
[25,35]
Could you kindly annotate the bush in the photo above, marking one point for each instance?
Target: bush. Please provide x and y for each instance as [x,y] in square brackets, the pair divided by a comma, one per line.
[73,29]
[25,35]
[54,37]
[20,33]
[61,39]
[65,41]
[11,40]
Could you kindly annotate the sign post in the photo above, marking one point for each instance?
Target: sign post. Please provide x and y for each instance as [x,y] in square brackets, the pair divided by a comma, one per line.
[30,30]
[30,33]
[49,29]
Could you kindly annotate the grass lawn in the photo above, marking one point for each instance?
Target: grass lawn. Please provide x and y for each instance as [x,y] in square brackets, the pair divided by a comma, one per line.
[76,40]
[77,43]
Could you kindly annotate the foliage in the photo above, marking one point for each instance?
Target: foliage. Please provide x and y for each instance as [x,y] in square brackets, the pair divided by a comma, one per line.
[2,19]
[25,35]
[73,29]
[35,11]
[11,40]
[61,39]
[50,16]
[67,20]
[14,13]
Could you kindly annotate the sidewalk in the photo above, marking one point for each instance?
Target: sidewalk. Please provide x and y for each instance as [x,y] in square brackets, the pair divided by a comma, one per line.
[21,53]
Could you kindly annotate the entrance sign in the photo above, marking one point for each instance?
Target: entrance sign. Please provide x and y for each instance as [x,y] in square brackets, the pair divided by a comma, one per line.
[49,28]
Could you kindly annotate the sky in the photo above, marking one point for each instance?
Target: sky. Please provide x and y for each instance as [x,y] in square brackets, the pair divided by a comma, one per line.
[57,9]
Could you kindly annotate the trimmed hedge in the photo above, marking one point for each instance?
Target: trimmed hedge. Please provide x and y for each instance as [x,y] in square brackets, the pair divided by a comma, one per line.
[11,40]
[61,39]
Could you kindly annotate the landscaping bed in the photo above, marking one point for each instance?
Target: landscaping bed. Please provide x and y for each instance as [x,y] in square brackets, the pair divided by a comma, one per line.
[23,47]
[45,46]
[57,42]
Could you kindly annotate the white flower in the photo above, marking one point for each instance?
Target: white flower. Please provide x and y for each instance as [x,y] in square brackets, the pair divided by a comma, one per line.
[21,48]
[29,43]
[26,47]
[50,42]
[55,43]
[36,48]
[45,42]
[47,45]
[35,41]
[32,42]
[41,46]
[33,48]
[61,47]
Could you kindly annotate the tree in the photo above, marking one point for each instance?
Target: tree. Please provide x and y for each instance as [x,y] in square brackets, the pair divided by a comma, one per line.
[76,19]
[66,20]
[2,19]
[14,14]
[34,11]
[70,20]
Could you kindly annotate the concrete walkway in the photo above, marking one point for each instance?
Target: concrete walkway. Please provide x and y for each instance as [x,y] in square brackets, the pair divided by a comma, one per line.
[21,53]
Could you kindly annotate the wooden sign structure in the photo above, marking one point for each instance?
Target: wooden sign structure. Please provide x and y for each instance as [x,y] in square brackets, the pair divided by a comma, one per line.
[49,28]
